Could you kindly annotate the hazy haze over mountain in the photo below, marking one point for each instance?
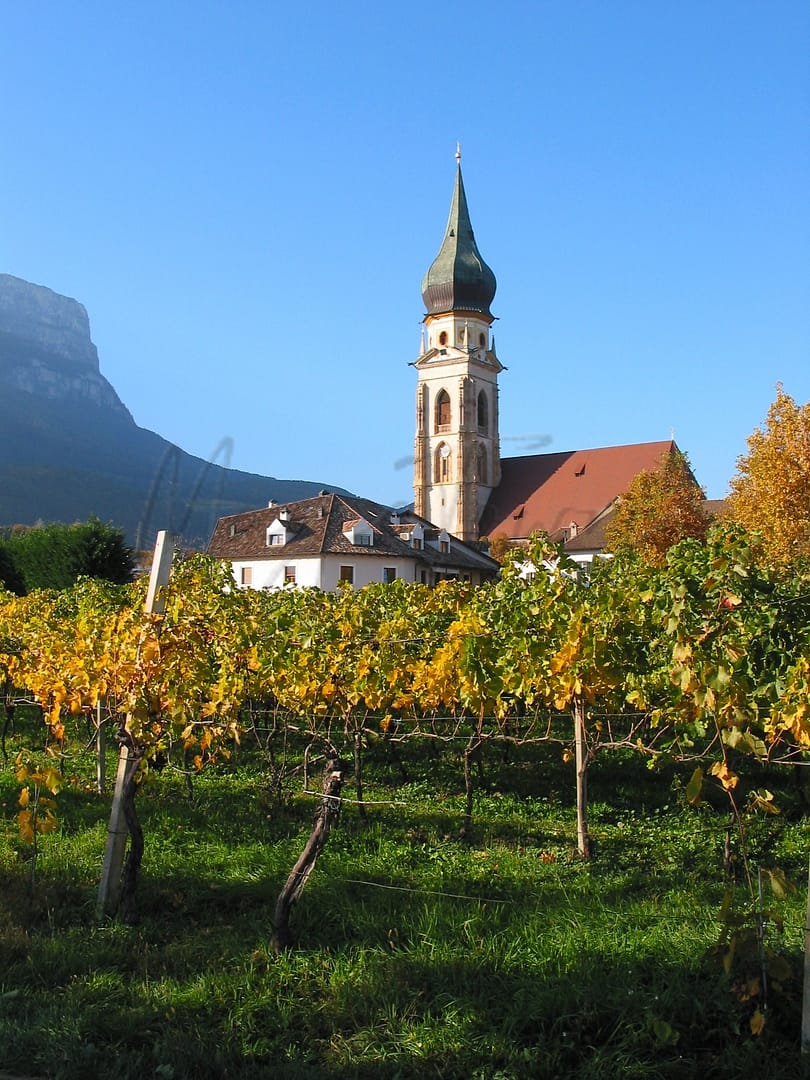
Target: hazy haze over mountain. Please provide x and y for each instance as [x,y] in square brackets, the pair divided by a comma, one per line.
[69,446]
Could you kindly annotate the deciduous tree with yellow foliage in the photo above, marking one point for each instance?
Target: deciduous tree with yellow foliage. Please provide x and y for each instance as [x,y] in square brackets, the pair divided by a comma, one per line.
[770,493]
[660,507]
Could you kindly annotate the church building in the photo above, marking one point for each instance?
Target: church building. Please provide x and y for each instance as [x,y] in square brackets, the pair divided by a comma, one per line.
[461,483]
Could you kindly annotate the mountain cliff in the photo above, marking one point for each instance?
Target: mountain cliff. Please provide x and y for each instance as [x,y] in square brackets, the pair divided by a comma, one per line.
[69,447]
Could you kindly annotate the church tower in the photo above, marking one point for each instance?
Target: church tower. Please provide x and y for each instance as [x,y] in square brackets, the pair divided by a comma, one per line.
[457,460]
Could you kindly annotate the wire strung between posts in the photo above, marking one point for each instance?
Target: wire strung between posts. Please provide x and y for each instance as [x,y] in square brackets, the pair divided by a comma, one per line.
[426,892]
[356,802]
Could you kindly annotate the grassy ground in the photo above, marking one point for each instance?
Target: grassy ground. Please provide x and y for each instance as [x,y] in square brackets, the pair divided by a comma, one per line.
[498,958]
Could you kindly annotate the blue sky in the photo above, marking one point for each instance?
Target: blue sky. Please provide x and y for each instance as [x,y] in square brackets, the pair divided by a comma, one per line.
[245,197]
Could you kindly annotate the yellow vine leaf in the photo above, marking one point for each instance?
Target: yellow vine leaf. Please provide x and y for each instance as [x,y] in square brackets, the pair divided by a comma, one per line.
[52,780]
[150,651]
[757,1022]
[24,796]
[46,823]
[727,778]
[26,831]
[693,788]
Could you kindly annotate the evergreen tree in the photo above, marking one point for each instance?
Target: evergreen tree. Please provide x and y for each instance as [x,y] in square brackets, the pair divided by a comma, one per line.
[10,576]
[54,556]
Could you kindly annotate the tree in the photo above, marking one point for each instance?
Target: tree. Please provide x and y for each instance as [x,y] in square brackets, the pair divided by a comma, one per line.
[499,545]
[660,507]
[54,556]
[10,576]
[770,493]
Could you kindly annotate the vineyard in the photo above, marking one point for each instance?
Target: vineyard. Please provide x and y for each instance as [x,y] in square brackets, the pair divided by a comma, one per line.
[489,772]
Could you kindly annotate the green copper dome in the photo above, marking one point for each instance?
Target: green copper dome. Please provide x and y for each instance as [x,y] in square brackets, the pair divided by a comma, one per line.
[458,279]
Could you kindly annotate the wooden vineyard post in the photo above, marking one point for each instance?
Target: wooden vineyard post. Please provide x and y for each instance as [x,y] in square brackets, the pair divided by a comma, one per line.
[806,994]
[109,889]
[583,839]
[325,817]
[101,752]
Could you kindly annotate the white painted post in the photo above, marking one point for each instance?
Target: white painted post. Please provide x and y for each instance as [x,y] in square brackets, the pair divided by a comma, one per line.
[109,889]
[159,577]
[581,757]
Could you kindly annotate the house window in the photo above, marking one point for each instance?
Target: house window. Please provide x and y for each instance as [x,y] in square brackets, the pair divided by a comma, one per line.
[347,574]
[417,543]
[444,547]
[289,575]
[443,337]
[423,576]
[247,575]
[275,539]
[482,340]
[389,574]
[362,539]
[442,411]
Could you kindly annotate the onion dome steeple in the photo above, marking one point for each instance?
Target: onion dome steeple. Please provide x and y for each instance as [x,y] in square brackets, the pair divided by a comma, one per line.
[458,278]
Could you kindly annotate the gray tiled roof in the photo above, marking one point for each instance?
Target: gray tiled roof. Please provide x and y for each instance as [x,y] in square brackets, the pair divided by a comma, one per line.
[317,527]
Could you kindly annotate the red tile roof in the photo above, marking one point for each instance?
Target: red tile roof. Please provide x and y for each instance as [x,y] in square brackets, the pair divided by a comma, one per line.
[547,492]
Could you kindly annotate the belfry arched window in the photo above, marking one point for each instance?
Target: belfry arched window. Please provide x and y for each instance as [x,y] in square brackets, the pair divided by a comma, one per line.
[442,464]
[483,413]
[442,411]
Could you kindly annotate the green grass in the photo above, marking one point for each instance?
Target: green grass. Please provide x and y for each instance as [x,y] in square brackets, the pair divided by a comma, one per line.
[416,955]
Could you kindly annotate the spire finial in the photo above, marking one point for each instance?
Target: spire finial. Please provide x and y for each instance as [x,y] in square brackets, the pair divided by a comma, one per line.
[458,153]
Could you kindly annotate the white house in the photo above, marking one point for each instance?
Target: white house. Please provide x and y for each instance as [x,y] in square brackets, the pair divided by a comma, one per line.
[331,538]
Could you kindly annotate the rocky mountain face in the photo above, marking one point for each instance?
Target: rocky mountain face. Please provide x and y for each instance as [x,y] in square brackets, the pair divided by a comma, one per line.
[45,346]
[69,447]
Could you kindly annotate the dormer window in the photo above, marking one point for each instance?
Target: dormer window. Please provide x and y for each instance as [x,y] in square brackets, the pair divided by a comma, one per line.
[360,533]
[278,533]
[417,538]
